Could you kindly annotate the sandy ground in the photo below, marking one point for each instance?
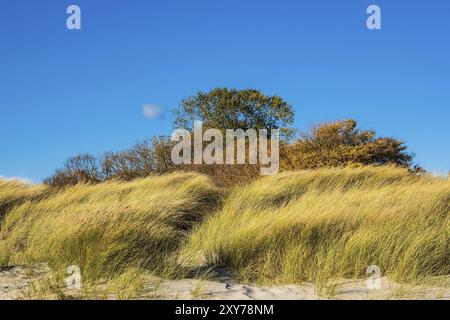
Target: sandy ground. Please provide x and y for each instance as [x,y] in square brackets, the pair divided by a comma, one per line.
[16,282]
[341,290]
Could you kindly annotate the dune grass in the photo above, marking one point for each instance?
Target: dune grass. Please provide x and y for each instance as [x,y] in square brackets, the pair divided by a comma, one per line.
[109,227]
[13,192]
[285,229]
[328,224]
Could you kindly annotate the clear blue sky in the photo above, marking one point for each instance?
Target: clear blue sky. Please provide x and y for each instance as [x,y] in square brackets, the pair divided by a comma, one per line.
[63,92]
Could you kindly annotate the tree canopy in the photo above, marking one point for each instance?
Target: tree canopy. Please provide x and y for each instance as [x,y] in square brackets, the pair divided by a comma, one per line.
[224,108]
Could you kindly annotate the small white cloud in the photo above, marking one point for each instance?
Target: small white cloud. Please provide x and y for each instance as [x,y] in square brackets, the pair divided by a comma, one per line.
[152,111]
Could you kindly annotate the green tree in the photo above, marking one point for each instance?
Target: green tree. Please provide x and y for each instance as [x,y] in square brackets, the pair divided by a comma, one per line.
[224,108]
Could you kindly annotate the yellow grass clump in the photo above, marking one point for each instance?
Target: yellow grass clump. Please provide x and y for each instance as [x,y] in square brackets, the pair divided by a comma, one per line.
[292,227]
[109,227]
[330,223]
[13,191]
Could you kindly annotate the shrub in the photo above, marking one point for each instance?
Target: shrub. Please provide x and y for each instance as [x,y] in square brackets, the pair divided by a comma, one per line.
[342,143]
[80,168]
[143,159]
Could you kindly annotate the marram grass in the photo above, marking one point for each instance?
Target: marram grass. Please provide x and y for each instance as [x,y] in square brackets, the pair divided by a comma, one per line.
[109,227]
[289,228]
[13,192]
[330,223]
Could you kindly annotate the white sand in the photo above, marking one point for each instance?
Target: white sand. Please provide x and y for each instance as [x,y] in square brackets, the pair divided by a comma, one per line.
[16,281]
[341,290]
